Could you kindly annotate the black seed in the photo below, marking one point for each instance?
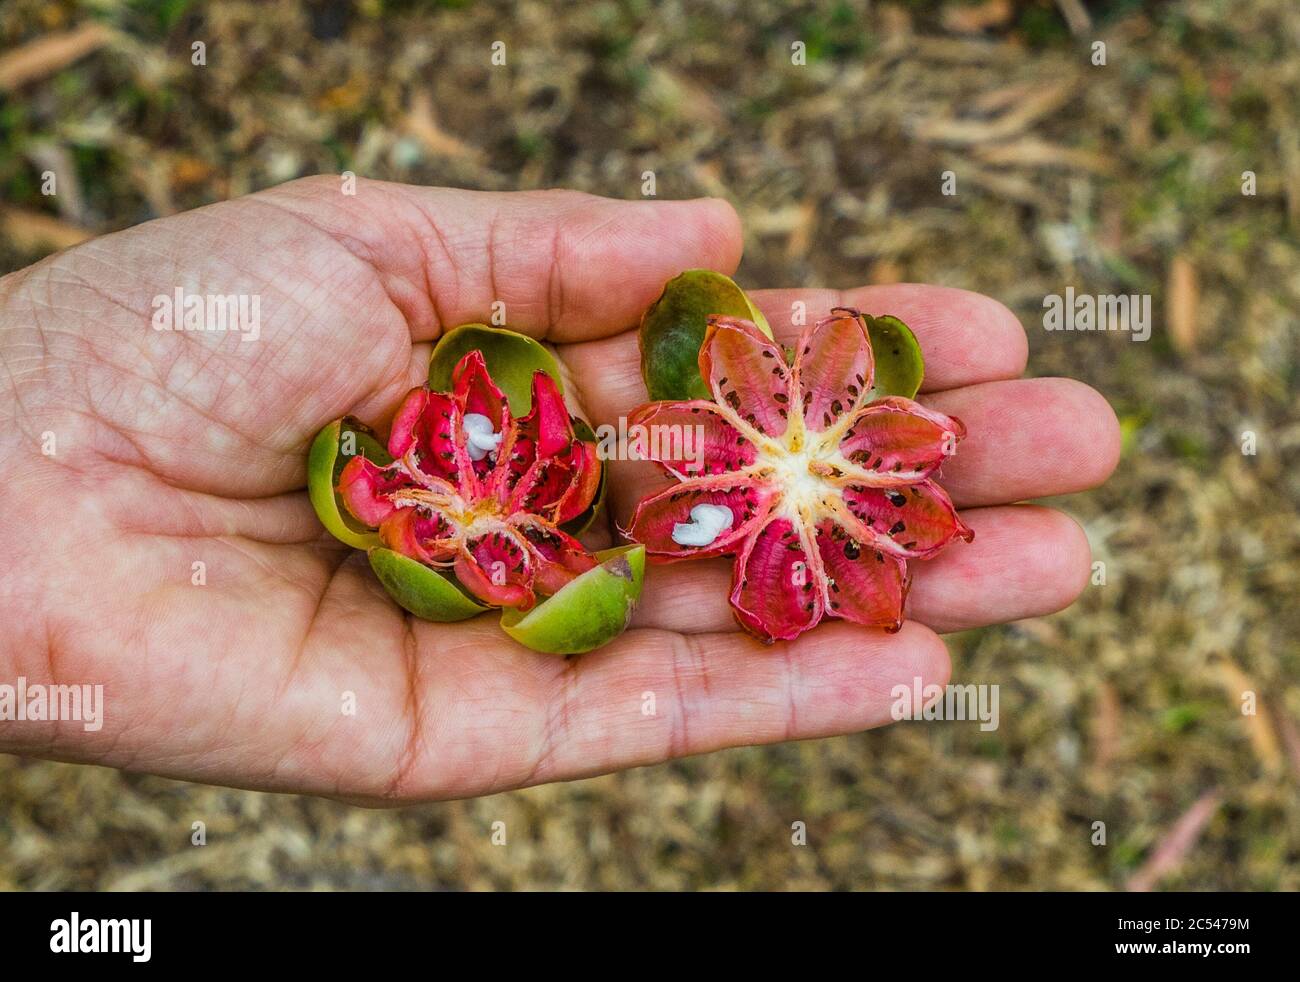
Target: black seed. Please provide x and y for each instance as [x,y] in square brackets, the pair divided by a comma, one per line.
[780,397]
[896,528]
[896,498]
[837,407]
[851,550]
[722,381]
[909,545]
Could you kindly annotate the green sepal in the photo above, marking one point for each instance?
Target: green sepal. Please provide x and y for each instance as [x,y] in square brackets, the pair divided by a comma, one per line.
[589,611]
[333,447]
[424,592]
[899,364]
[672,331]
[511,360]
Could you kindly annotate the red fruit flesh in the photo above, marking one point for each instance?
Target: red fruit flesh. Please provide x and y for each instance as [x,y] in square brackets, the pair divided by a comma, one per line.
[828,494]
[476,490]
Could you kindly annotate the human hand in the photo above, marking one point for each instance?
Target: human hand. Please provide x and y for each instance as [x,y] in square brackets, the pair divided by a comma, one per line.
[172,449]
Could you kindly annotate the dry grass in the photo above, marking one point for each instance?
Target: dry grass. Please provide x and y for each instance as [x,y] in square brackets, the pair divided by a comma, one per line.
[1122,178]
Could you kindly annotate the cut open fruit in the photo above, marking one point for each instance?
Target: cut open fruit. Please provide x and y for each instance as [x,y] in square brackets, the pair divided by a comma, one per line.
[472,502]
[817,470]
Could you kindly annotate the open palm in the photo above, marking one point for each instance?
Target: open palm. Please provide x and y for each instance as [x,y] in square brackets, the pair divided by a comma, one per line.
[133,454]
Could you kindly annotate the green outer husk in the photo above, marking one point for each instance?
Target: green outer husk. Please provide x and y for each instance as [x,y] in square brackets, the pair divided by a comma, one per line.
[672,331]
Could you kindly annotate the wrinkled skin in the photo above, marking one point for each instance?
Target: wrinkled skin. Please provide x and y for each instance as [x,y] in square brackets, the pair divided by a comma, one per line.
[181,448]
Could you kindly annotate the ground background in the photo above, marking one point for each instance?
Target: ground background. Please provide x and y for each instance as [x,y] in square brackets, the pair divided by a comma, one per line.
[1125,177]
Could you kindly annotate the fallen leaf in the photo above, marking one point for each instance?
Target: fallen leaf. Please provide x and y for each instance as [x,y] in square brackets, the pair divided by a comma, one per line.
[1032,152]
[1105,726]
[44,56]
[422,124]
[1286,728]
[1181,300]
[977,18]
[1019,117]
[1076,15]
[33,231]
[1259,724]
[1177,843]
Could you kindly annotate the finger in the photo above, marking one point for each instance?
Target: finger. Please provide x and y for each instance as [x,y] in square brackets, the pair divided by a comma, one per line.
[606,375]
[1029,438]
[567,266]
[1025,561]
[965,337]
[655,695]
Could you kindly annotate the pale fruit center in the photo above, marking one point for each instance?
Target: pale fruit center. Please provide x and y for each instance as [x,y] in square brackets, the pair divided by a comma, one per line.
[796,471]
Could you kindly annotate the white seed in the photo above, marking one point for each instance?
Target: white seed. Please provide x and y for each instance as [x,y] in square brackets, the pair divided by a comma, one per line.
[706,524]
[480,440]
